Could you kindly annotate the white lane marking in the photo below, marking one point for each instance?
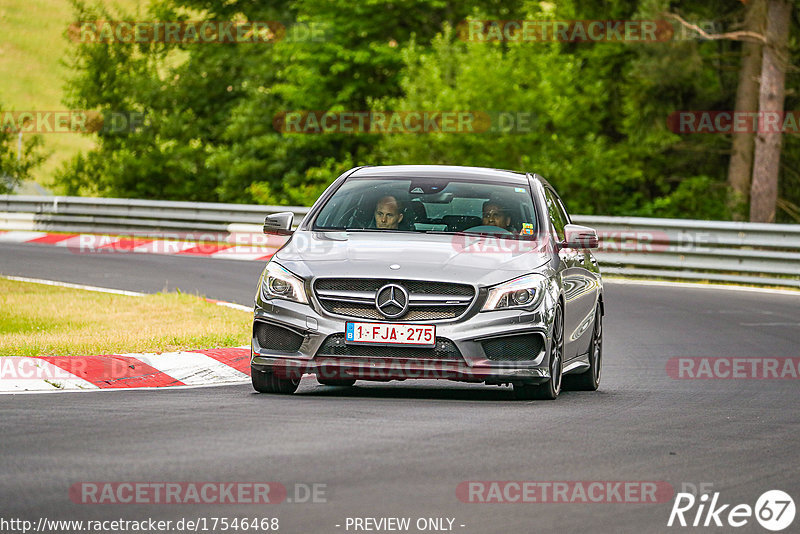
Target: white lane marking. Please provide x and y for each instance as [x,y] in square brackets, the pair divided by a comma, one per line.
[88,243]
[165,246]
[769,324]
[191,368]
[18,236]
[244,252]
[20,385]
[74,244]
[75,286]
[694,285]
[234,306]
[231,305]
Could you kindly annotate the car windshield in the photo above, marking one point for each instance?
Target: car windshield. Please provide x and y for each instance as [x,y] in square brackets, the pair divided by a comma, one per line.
[430,205]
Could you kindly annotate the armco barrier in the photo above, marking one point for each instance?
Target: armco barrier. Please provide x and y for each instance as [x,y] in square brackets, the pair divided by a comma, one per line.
[698,250]
[121,215]
[632,246]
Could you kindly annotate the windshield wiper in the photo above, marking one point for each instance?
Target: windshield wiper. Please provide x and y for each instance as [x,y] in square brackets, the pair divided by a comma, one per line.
[395,230]
[517,237]
[445,232]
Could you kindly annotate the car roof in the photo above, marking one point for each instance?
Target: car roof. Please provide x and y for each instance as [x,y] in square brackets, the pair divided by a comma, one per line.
[441,171]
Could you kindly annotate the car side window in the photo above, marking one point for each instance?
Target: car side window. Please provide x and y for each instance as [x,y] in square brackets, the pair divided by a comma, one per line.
[556,212]
[563,210]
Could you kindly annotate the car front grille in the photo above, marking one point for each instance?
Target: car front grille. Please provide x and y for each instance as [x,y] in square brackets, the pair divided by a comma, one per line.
[445,349]
[513,348]
[428,301]
[276,338]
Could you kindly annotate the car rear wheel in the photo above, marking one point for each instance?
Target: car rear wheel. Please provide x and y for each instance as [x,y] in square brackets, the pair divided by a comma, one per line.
[268,382]
[550,389]
[343,382]
[589,380]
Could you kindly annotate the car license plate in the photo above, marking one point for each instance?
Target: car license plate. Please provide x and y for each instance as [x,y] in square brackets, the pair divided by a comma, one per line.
[421,335]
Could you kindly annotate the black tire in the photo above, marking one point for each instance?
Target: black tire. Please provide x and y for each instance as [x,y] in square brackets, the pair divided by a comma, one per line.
[589,380]
[267,382]
[550,389]
[343,382]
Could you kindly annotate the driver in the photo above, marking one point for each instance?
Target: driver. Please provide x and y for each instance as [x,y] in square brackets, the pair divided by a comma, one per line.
[495,214]
[388,213]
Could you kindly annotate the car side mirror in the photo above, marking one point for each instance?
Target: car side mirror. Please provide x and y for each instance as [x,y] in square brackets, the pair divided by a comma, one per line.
[579,237]
[279,223]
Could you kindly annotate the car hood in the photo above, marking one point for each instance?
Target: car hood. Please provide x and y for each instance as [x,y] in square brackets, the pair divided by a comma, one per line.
[484,260]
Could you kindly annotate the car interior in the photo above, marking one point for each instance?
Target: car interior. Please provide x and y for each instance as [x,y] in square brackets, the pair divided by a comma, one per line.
[440,210]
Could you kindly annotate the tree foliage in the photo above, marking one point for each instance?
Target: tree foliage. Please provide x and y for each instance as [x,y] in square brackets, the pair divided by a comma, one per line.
[17,160]
[598,110]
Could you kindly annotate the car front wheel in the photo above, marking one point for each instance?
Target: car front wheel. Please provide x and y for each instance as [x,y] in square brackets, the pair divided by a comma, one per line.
[589,380]
[268,382]
[550,389]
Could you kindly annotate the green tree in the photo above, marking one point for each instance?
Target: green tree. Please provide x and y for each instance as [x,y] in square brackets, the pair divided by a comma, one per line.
[16,160]
[186,92]
[600,132]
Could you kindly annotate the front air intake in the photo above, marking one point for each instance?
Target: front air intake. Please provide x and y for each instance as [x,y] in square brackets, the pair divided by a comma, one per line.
[275,338]
[513,348]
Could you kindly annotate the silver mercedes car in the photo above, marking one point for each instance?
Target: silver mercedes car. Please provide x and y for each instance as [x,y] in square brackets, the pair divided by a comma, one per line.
[425,271]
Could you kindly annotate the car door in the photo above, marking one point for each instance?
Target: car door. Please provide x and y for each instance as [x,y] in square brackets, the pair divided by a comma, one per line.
[580,287]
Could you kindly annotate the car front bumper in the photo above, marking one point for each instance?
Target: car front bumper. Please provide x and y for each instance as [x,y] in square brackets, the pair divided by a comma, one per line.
[468,334]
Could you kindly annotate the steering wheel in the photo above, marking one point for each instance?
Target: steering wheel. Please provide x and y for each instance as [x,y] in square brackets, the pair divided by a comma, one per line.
[488,229]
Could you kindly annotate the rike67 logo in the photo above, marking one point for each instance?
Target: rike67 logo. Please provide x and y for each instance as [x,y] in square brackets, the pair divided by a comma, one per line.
[774,510]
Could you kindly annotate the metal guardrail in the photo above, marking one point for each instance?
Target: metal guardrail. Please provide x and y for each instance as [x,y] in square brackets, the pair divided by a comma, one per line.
[740,252]
[120,215]
[632,246]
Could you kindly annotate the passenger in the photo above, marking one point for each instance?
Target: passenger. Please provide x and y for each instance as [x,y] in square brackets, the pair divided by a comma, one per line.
[495,214]
[388,213]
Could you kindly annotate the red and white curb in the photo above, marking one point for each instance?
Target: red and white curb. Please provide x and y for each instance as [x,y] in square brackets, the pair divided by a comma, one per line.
[20,374]
[124,371]
[240,246]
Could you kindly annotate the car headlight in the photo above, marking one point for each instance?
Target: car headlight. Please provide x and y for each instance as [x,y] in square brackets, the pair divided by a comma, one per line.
[278,283]
[523,292]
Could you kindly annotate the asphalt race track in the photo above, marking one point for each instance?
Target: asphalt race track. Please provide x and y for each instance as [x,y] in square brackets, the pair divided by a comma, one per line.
[401,449]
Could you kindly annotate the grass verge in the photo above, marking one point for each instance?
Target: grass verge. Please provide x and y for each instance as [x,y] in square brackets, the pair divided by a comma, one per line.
[32,51]
[41,320]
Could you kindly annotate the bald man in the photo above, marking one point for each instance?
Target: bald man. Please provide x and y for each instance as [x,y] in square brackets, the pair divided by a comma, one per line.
[495,214]
[388,213]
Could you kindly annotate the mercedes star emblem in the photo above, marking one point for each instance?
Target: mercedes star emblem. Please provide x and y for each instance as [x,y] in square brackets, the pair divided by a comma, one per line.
[392,301]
